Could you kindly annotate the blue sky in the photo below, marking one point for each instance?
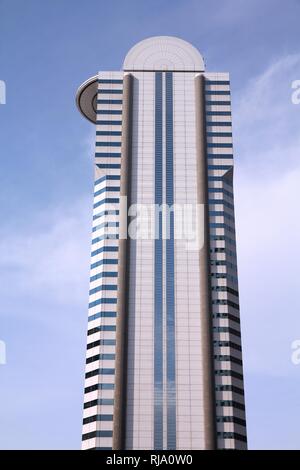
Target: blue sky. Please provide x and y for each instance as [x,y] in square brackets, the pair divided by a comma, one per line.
[46,50]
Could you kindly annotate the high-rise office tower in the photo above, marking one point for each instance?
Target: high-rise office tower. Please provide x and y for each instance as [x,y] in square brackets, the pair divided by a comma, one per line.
[164,360]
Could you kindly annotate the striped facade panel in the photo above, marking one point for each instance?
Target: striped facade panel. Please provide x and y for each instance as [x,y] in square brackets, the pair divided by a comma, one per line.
[98,412]
[230,406]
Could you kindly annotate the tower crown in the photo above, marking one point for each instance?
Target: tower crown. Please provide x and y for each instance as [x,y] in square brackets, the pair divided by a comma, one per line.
[164,53]
[157,53]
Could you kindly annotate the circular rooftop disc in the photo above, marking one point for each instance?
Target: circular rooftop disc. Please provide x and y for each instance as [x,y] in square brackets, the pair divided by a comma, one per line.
[164,53]
[86,98]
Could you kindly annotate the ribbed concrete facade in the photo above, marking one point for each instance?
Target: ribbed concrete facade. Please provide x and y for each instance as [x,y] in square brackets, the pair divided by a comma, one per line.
[164,361]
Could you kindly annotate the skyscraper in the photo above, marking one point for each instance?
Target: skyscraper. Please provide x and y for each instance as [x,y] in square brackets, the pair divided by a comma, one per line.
[164,359]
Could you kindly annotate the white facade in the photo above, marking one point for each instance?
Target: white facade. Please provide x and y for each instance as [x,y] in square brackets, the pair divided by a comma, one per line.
[165,377]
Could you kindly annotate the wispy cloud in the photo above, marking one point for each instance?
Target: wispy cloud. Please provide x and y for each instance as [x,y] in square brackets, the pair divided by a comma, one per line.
[267,195]
[48,256]
[266,121]
[44,295]
[87,144]
[268,255]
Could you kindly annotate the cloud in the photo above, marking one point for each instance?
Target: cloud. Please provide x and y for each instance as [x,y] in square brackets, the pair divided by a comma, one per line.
[47,258]
[87,144]
[44,266]
[268,257]
[265,121]
[267,194]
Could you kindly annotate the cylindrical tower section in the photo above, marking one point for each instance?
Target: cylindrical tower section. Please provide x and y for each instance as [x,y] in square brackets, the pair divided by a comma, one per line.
[119,424]
[204,259]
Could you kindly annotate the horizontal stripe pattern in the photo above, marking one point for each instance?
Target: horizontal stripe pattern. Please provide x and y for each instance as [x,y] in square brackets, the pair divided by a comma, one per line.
[100,363]
[224,287]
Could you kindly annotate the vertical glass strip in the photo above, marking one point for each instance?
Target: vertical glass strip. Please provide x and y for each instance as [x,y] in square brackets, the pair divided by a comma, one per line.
[170,295]
[158,273]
